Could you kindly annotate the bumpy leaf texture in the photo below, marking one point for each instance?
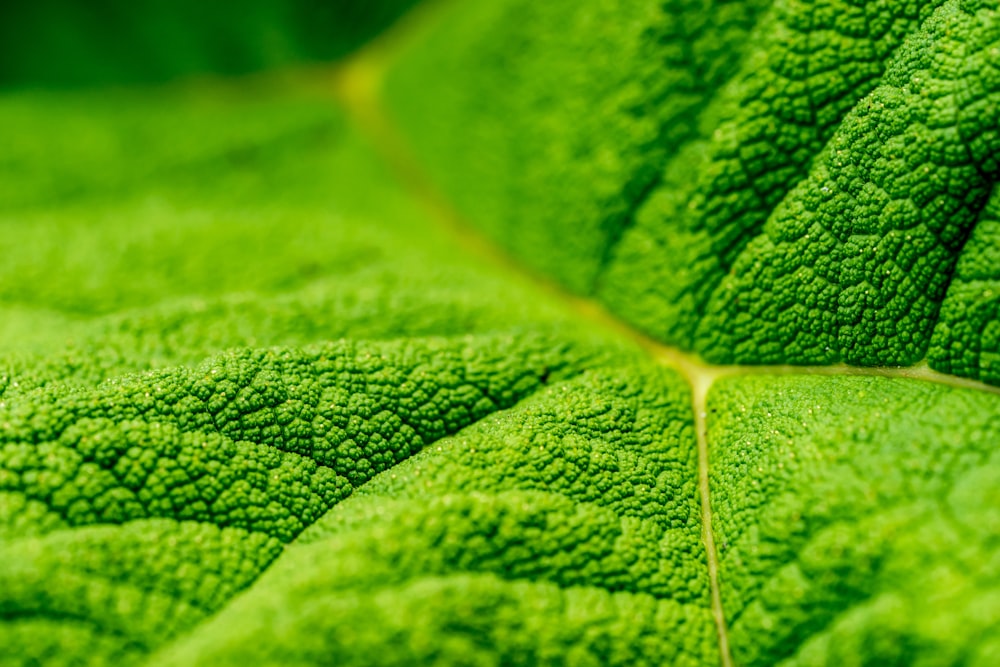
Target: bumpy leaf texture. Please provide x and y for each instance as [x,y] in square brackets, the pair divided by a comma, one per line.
[264,401]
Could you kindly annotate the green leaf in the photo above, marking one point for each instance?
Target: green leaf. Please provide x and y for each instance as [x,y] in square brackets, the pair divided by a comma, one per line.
[266,397]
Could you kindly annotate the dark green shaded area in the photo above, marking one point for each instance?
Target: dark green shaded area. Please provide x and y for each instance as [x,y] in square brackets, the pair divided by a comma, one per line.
[856,520]
[74,43]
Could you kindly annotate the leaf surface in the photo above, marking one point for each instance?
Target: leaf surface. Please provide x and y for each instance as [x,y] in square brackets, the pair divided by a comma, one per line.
[265,399]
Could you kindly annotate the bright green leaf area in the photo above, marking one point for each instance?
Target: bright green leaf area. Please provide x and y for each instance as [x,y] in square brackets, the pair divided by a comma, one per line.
[260,404]
[861,530]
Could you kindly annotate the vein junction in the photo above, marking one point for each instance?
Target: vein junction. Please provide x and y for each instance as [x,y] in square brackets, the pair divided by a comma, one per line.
[356,86]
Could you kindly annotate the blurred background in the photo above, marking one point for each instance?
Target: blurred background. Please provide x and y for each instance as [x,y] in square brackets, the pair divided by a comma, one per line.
[72,43]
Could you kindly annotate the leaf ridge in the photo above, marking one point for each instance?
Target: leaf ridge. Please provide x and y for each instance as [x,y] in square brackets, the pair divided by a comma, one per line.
[758,141]
[221,467]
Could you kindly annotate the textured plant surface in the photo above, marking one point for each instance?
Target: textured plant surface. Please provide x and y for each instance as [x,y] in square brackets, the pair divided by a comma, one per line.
[267,397]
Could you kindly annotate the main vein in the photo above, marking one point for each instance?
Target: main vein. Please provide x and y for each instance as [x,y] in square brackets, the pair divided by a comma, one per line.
[700,384]
[357,83]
